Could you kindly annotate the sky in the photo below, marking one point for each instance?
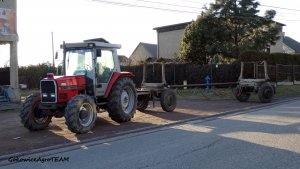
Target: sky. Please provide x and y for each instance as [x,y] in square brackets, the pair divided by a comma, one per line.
[125,22]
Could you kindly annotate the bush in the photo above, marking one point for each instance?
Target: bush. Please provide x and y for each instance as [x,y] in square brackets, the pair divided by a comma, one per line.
[31,75]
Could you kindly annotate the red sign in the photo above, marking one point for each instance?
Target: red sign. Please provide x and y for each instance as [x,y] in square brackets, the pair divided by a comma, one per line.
[7,21]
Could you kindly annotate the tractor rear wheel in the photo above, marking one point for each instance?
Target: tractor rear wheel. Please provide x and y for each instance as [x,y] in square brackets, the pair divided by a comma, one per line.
[31,116]
[265,93]
[240,95]
[142,102]
[81,114]
[122,100]
[168,100]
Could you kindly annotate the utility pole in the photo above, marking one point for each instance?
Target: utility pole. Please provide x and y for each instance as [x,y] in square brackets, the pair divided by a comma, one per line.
[52,50]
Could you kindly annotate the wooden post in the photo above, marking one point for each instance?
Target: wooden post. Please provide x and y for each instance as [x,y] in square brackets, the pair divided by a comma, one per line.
[242,70]
[163,77]
[144,73]
[276,73]
[266,70]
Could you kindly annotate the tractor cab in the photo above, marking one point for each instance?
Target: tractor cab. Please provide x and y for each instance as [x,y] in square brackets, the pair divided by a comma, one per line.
[96,61]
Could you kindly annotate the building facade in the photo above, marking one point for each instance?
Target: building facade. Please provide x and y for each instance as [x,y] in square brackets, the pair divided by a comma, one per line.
[142,52]
[9,35]
[169,38]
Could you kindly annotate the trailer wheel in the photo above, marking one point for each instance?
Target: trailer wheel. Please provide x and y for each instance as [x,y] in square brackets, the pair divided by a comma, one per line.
[168,100]
[122,100]
[31,116]
[142,102]
[265,93]
[240,95]
[81,114]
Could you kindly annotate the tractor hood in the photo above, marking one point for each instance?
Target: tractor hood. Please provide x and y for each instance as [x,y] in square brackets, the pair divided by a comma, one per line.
[66,86]
[68,82]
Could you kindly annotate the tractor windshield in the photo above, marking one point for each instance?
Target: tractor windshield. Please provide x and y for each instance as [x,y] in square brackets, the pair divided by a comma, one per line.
[79,62]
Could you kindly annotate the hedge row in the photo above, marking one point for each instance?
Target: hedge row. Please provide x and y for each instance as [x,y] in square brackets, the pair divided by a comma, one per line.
[31,75]
[272,58]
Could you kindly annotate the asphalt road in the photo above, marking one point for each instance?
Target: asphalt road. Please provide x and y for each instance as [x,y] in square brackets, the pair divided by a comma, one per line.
[266,138]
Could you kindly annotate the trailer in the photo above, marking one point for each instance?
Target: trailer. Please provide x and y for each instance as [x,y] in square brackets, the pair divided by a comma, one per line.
[156,92]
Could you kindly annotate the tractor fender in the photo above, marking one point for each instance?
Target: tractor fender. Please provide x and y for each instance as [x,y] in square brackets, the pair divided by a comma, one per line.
[115,77]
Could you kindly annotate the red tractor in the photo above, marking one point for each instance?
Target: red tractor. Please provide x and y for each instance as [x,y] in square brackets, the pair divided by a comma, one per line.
[91,81]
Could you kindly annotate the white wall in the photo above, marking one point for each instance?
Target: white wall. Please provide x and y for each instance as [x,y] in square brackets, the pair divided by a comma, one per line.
[169,43]
[278,47]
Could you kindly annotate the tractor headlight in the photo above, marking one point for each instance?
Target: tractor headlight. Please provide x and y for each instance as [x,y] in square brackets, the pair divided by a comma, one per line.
[45,95]
[52,95]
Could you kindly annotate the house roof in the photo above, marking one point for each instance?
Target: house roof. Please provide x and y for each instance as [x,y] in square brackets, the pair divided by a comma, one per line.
[172,27]
[293,44]
[151,48]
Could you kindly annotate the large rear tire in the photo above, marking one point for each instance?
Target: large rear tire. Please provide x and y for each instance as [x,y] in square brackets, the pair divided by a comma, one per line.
[122,100]
[142,102]
[266,93]
[31,116]
[81,114]
[240,95]
[168,100]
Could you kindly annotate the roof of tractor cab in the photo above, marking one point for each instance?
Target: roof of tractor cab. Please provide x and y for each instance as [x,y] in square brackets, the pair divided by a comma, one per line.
[91,44]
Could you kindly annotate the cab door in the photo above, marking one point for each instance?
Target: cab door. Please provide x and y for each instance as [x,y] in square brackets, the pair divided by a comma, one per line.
[105,66]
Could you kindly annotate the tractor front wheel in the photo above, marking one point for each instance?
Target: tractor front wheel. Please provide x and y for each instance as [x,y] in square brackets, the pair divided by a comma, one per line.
[81,114]
[168,100]
[31,116]
[122,100]
[265,93]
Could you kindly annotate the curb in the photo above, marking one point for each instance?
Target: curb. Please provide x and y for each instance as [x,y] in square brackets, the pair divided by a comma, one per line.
[9,106]
[135,132]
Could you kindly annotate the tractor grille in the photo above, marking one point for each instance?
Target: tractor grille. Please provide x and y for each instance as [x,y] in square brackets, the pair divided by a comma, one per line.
[48,91]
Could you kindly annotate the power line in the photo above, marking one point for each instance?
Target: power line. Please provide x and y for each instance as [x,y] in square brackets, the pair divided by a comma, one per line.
[289,9]
[175,10]
[161,3]
[191,1]
[144,6]
[292,20]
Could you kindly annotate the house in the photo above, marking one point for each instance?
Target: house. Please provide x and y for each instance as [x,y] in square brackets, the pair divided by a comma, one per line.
[168,40]
[170,36]
[142,52]
[286,45]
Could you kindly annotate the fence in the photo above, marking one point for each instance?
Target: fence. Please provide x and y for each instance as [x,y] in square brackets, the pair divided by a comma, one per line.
[4,76]
[175,73]
[195,74]
[282,74]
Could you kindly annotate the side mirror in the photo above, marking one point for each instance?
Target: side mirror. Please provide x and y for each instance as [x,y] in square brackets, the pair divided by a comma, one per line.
[56,55]
[97,70]
[98,52]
